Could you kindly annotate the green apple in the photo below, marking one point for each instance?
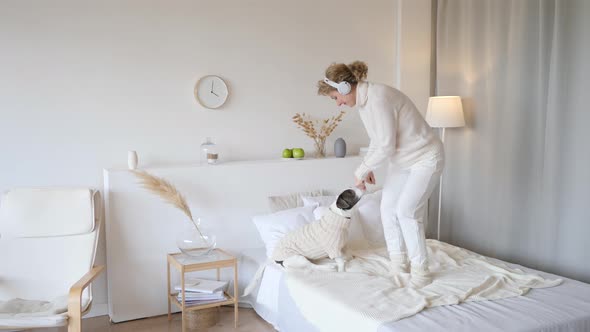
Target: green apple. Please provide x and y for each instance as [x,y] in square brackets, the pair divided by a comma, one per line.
[298,153]
[288,153]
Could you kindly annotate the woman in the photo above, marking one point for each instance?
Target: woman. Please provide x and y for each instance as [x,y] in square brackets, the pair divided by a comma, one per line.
[400,139]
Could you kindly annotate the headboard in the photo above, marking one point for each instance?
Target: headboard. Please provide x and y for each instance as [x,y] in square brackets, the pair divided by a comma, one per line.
[141,229]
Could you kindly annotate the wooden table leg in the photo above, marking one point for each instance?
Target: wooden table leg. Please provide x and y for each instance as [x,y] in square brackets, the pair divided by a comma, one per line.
[236,295]
[168,288]
[183,299]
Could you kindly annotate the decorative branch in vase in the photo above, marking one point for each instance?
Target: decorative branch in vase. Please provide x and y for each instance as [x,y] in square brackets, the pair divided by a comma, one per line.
[318,130]
[200,243]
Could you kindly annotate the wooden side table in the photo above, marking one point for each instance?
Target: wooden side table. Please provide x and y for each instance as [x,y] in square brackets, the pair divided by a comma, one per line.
[217,259]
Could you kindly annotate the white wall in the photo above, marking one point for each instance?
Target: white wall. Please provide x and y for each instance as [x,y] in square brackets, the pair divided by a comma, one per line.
[82,83]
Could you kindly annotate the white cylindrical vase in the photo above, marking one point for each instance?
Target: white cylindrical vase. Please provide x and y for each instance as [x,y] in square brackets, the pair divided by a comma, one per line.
[132,160]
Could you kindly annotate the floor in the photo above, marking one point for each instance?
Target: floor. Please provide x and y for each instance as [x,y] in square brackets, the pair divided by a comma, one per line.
[248,321]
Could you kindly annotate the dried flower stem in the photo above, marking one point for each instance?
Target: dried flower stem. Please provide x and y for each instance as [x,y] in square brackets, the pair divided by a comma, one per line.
[309,127]
[167,192]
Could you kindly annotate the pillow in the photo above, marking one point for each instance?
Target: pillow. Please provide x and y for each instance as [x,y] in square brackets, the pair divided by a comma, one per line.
[272,227]
[322,204]
[318,200]
[369,213]
[356,235]
[290,201]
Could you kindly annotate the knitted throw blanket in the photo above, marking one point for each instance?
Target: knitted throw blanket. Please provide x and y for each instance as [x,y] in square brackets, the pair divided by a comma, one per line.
[368,294]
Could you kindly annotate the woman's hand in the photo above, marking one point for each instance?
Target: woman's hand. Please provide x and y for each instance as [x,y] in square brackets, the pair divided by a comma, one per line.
[370,178]
[360,184]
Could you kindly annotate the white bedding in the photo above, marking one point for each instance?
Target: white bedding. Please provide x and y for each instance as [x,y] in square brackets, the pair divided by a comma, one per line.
[267,299]
[562,308]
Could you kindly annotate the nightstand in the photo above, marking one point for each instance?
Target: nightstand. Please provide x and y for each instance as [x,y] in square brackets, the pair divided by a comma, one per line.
[217,259]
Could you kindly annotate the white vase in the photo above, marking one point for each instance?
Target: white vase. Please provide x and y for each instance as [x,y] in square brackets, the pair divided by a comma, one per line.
[132,159]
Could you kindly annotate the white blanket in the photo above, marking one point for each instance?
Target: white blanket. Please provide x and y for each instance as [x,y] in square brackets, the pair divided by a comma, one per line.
[368,295]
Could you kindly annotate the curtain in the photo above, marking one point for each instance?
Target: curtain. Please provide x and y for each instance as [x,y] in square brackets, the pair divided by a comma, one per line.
[517,177]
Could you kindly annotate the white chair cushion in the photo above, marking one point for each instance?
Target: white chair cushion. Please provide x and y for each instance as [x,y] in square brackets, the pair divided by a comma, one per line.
[46,212]
[44,268]
[19,313]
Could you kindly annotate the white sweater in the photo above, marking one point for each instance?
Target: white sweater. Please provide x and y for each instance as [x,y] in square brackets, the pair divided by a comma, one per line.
[398,132]
[321,238]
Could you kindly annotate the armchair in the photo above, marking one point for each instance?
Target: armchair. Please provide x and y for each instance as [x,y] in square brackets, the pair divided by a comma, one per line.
[48,240]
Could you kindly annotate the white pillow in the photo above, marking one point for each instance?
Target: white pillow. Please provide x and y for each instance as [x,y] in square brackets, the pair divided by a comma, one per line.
[369,212]
[289,201]
[318,200]
[356,235]
[272,227]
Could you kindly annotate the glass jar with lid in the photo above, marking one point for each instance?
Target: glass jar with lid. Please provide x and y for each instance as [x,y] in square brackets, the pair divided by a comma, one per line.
[209,154]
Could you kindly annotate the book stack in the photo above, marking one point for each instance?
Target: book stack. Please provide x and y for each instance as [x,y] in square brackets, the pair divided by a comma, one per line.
[202,291]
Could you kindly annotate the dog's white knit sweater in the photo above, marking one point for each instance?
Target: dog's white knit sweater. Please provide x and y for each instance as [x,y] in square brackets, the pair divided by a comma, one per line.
[319,239]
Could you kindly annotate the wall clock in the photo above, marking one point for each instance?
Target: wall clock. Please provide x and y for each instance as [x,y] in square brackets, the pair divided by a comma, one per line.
[211,91]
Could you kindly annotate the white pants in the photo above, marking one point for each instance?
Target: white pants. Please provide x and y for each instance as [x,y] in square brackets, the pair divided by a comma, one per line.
[403,208]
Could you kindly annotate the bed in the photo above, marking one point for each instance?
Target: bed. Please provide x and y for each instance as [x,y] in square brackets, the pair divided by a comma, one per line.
[145,228]
[565,307]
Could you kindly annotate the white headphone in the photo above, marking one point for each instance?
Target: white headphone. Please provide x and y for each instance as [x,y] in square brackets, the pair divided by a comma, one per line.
[342,87]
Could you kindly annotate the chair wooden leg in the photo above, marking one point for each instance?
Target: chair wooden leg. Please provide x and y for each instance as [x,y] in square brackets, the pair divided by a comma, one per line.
[75,299]
[74,323]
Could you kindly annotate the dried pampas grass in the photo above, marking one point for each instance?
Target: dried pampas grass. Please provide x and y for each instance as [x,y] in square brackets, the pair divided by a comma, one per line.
[167,192]
[318,130]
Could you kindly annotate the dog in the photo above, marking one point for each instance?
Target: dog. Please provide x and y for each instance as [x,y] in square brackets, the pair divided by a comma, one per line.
[322,238]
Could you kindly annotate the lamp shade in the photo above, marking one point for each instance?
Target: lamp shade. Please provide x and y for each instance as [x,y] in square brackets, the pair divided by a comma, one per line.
[445,112]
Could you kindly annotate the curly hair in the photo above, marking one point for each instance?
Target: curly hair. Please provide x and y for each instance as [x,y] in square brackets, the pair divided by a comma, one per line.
[338,72]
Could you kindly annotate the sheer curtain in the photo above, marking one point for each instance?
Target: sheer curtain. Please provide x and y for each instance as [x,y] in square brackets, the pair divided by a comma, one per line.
[517,178]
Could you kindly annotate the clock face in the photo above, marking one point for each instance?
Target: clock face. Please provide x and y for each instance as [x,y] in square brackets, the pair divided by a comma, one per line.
[211,91]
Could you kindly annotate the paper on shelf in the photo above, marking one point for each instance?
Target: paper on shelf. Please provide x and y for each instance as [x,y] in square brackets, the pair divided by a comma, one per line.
[202,286]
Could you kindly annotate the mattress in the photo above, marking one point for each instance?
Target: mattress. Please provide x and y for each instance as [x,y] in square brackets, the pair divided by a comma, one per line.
[562,308]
